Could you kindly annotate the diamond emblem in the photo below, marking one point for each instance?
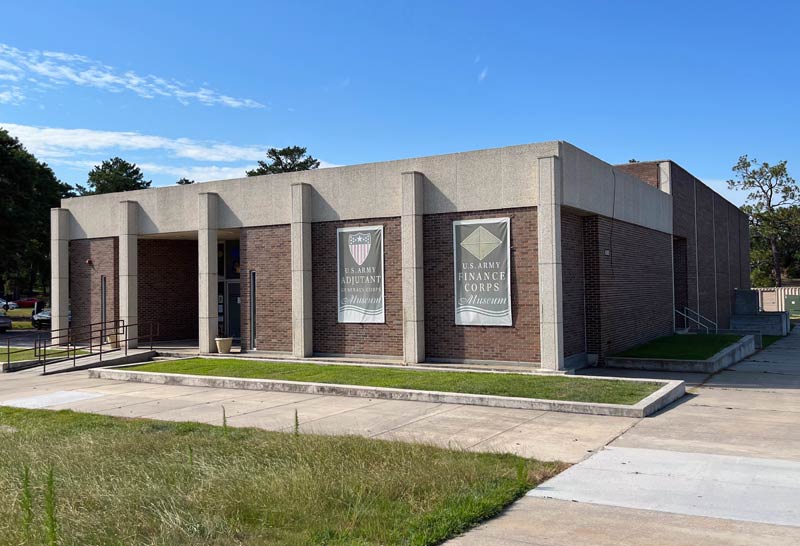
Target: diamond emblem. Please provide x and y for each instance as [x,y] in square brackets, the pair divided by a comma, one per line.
[480,243]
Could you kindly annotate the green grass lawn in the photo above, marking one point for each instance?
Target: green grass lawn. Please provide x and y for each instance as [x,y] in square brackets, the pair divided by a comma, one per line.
[22,353]
[766,340]
[527,386]
[133,481]
[683,347]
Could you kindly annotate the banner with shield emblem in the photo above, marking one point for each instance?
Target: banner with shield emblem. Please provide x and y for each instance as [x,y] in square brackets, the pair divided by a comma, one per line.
[359,252]
[482,253]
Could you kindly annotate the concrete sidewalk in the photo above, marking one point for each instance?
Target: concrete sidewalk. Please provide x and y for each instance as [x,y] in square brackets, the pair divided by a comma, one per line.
[538,434]
[721,467]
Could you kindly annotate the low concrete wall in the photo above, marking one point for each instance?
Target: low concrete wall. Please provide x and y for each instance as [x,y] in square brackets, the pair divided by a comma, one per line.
[726,357]
[668,393]
[775,323]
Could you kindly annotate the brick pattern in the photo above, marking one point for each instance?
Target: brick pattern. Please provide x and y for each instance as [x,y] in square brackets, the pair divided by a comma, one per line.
[445,340]
[572,275]
[680,274]
[646,171]
[331,337]
[85,281]
[717,245]
[267,251]
[628,291]
[168,288]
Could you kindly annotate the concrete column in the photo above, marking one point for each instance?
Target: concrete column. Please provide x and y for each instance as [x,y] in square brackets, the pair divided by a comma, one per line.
[129,270]
[413,273]
[207,222]
[551,311]
[302,332]
[59,270]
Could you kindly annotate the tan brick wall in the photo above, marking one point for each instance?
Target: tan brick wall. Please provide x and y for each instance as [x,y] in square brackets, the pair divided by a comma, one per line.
[267,251]
[445,340]
[330,336]
[647,171]
[85,281]
[167,286]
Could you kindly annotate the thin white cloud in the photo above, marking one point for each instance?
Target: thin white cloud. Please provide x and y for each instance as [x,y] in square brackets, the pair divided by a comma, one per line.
[483,74]
[52,142]
[47,68]
[11,95]
[85,148]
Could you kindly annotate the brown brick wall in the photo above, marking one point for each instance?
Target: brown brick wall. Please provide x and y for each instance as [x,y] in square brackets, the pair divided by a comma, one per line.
[330,336]
[572,280]
[628,291]
[445,340]
[167,284]
[717,245]
[647,171]
[85,281]
[267,251]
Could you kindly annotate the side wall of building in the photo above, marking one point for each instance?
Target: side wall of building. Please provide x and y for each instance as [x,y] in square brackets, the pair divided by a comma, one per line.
[447,341]
[89,261]
[717,241]
[628,284]
[332,337]
[267,251]
[167,288]
[573,283]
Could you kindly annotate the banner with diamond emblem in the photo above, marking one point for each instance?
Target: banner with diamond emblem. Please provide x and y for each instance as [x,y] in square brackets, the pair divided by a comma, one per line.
[359,252]
[482,253]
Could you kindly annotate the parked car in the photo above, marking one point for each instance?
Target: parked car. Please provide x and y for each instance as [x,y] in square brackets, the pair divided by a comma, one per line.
[11,304]
[5,324]
[42,320]
[27,302]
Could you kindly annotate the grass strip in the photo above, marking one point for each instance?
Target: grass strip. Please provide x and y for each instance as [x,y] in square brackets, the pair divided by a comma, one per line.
[683,347]
[577,389]
[76,479]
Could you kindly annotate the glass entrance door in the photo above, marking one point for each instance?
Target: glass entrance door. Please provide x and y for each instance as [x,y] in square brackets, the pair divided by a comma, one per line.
[233,310]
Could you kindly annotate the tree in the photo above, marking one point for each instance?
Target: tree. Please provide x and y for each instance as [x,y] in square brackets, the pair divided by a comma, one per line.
[285,160]
[184,181]
[770,191]
[114,175]
[28,190]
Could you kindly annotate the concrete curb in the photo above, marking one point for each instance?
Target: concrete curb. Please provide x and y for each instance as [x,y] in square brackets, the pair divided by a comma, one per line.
[668,393]
[726,357]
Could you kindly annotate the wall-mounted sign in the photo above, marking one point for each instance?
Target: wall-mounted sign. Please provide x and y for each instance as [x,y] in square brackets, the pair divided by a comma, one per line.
[359,253]
[482,276]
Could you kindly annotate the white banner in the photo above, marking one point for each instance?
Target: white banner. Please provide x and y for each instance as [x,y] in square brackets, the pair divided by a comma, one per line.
[359,253]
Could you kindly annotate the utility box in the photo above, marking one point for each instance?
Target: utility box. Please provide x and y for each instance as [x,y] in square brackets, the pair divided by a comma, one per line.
[792,305]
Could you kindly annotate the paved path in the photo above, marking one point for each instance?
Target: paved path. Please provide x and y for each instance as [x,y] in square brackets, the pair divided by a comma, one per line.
[539,434]
[720,467]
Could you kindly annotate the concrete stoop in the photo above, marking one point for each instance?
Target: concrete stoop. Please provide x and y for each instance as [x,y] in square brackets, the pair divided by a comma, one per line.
[670,391]
[726,357]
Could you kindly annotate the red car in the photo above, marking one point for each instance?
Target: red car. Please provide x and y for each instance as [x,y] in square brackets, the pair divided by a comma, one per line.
[27,302]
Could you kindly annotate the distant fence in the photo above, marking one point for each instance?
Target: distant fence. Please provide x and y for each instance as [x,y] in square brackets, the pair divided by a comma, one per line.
[773,299]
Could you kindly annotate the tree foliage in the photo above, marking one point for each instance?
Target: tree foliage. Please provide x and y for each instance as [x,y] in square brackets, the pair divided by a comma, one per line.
[28,190]
[772,200]
[184,181]
[114,175]
[285,160]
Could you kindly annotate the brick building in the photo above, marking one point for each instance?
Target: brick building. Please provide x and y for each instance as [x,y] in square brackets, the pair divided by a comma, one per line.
[538,254]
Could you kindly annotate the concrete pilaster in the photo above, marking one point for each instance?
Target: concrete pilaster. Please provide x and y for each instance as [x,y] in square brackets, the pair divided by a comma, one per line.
[413,273]
[129,270]
[59,271]
[302,332]
[551,310]
[207,223]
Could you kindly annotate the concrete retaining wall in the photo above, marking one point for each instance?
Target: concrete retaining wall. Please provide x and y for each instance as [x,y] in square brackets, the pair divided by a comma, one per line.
[768,323]
[726,357]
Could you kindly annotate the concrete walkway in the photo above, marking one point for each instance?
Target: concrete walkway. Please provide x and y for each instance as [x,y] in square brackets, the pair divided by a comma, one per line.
[721,467]
[539,434]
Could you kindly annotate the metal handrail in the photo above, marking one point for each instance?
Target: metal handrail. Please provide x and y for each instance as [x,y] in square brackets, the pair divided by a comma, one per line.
[97,335]
[697,320]
[121,344]
[700,317]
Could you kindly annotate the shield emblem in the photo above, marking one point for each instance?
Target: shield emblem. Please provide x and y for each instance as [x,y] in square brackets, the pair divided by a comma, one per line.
[360,243]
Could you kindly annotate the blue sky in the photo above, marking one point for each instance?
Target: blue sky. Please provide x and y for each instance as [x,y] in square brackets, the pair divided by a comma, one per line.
[203,88]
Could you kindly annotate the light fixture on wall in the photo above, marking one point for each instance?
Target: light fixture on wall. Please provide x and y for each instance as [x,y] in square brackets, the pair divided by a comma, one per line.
[89,262]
